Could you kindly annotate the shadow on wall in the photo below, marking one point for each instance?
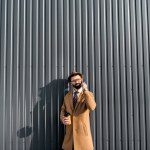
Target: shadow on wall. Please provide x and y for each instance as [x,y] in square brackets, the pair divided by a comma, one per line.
[47,132]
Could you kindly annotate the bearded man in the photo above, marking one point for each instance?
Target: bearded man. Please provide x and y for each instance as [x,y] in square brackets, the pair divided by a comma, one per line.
[75,114]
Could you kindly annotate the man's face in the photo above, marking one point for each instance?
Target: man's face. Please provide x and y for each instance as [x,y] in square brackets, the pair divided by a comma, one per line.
[76,81]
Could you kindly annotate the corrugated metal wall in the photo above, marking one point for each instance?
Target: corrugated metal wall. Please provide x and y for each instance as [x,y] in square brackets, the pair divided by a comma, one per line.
[42,41]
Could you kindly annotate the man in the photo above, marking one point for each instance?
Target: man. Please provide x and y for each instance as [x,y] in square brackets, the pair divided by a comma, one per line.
[77,103]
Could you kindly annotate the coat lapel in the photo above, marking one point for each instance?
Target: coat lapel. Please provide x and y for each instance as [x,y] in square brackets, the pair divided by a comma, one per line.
[70,100]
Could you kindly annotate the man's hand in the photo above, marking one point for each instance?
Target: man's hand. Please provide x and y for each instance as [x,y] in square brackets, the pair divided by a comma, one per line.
[84,86]
[66,120]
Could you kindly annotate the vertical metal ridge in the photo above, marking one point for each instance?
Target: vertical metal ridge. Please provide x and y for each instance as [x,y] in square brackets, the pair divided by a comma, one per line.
[35,76]
[85,41]
[48,69]
[41,44]
[134,77]
[23,69]
[110,76]
[11,73]
[148,17]
[66,39]
[98,69]
[72,24]
[54,39]
[28,74]
[48,40]
[123,78]
[79,35]
[104,76]
[91,45]
[91,57]
[8,100]
[15,71]
[146,70]
[0,26]
[54,69]
[117,103]
[18,68]
[3,71]
[140,75]
[60,63]
[42,78]
[128,76]
[60,40]
[41,72]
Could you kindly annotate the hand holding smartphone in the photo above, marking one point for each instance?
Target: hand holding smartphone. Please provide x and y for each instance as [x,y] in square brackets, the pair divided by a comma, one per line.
[84,86]
[66,119]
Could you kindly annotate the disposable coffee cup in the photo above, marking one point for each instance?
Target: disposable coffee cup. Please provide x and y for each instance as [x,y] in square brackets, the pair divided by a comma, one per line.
[67,115]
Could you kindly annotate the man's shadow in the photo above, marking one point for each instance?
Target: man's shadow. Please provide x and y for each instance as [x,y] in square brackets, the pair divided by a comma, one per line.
[46,131]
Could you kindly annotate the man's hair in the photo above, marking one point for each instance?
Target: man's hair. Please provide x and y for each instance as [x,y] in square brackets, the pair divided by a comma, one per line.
[75,74]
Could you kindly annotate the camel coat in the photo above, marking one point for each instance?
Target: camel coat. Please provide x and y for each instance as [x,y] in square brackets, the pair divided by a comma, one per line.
[78,133]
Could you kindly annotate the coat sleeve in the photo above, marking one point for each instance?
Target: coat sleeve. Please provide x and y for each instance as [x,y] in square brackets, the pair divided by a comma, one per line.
[89,99]
[62,112]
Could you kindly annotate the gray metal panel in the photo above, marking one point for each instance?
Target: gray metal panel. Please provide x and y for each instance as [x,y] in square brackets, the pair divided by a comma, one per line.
[140,75]
[134,77]
[3,72]
[117,94]
[42,41]
[146,69]
[98,71]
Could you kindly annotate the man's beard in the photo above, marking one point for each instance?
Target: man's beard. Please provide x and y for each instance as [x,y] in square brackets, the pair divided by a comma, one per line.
[77,86]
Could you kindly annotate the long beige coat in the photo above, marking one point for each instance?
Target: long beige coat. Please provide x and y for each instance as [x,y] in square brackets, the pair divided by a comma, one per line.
[79,131]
